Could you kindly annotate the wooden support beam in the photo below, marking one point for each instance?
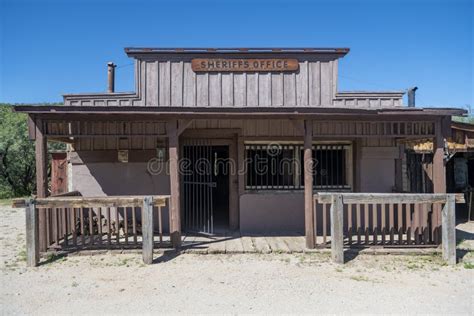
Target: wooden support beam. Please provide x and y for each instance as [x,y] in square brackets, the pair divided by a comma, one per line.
[234,219]
[308,185]
[337,237]
[31,127]
[449,230]
[147,229]
[32,234]
[41,161]
[439,174]
[41,179]
[439,168]
[357,164]
[175,211]
[399,168]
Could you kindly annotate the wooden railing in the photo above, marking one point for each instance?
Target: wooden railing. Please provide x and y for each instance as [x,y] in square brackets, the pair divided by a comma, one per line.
[72,223]
[384,220]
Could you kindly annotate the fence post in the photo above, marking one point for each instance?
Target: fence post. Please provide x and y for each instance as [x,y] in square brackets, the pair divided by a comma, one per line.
[337,238]
[147,230]
[448,230]
[32,234]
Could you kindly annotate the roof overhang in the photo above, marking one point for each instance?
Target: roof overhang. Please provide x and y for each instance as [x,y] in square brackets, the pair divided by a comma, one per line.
[241,112]
[135,51]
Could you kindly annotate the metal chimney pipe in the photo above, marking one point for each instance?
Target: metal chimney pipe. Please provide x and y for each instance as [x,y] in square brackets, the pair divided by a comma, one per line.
[411,97]
[111,77]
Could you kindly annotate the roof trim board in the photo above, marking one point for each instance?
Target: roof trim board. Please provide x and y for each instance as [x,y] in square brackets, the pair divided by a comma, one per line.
[241,111]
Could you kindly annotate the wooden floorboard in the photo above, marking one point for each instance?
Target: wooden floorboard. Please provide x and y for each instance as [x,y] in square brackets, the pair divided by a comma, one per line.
[234,245]
[247,244]
[261,245]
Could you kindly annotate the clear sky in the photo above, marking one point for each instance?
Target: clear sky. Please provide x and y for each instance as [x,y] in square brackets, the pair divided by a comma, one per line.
[53,47]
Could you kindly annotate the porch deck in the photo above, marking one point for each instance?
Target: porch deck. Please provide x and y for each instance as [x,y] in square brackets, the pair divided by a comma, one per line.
[235,243]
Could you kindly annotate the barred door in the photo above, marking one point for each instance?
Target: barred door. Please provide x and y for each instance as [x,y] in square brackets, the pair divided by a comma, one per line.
[198,186]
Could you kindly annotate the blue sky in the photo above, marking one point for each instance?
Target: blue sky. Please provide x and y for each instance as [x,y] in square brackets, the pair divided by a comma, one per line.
[53,47]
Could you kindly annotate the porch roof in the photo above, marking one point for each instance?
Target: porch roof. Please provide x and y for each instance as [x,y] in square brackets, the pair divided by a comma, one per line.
[240,112]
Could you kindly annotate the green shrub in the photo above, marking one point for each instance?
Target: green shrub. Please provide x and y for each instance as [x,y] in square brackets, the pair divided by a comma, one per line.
[17,155]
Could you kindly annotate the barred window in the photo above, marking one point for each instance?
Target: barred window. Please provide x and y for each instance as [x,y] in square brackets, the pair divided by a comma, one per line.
[274,166]
[331,167]
[270,166]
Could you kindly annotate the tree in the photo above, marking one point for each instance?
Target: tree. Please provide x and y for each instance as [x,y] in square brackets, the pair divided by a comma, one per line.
[17,155]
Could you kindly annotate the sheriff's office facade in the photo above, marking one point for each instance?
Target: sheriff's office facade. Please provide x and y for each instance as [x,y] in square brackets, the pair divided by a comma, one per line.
[258,108]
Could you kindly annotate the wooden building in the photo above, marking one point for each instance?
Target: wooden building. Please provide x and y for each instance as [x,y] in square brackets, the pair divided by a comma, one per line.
[243,112]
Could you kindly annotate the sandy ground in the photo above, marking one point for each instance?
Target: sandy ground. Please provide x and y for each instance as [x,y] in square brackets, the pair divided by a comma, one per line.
[247,283]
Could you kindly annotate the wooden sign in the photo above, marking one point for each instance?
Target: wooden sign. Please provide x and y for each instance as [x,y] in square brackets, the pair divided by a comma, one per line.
[240,65]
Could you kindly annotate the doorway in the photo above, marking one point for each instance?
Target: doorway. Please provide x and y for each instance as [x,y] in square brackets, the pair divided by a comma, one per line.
[205,179]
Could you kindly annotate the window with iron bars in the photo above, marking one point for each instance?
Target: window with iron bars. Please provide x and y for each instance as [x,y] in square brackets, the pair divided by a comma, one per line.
[274,166]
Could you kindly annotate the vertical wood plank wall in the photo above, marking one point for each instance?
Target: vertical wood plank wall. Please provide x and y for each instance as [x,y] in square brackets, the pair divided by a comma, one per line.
[173,83]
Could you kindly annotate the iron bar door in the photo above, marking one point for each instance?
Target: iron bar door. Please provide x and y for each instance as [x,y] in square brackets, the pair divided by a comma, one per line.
[198,186]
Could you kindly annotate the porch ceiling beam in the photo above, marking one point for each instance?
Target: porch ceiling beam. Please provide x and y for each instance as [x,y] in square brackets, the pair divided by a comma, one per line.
[60,139]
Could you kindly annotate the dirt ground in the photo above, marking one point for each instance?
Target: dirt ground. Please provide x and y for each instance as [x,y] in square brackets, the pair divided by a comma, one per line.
[246,283]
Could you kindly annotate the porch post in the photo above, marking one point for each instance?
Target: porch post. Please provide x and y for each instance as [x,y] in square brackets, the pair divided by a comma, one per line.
[439,168]
[41,178]
[308,184]
[175,211]
[41,161]
[439,173]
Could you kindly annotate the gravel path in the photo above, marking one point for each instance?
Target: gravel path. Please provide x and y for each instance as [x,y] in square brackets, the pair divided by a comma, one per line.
[247,283]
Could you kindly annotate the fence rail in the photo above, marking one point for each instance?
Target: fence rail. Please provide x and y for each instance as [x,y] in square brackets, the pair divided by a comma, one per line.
[385,220]
[72,223]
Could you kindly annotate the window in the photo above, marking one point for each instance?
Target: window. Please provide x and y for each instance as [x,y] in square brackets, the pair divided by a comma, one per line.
[274,166]
[331,167]
[271,166]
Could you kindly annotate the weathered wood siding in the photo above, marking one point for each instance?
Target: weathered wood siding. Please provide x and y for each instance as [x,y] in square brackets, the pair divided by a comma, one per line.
[369,99]
[173,83]
[147,135]
[167,80]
